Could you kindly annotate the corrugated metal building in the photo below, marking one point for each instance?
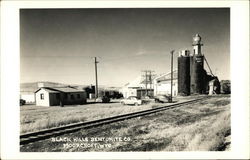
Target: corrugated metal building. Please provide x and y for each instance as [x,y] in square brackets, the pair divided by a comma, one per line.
[48,96]
[162,84]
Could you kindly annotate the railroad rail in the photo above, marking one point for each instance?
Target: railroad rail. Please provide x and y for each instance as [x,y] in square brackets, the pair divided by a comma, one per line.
[57,131]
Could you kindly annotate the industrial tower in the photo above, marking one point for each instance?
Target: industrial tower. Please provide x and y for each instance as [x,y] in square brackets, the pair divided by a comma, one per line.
[197,71]
[191,73]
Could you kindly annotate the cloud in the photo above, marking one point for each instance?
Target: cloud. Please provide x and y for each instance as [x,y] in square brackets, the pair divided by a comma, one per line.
[141,53]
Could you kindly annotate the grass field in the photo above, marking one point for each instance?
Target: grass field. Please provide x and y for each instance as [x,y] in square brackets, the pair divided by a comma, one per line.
[33,118]
[203,126]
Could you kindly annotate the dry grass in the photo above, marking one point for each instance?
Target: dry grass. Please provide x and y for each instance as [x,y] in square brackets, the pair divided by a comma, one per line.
[204,135]
[191,128]
[34,118]
[197,127]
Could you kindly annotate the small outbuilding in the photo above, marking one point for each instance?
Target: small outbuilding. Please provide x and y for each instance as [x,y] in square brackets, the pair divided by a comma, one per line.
[214,86]
[55,96]
[138,87]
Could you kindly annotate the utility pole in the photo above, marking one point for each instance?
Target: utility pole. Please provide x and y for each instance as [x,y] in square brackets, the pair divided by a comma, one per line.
[96,81]
[171,97]
[148,79]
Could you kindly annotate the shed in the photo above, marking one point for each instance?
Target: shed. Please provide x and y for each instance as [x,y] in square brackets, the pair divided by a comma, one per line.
[214,86]
[55,96]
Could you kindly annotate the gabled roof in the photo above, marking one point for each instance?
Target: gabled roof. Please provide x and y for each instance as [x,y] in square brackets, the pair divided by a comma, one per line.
[136,83]
[139,82]
[50,91]
[69,89]
[167,76]
[60,89]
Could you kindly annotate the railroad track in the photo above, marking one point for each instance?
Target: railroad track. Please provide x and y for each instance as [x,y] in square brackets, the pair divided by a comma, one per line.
[57,131]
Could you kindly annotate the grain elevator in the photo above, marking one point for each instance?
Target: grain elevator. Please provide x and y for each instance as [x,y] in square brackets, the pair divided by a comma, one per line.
[191,73]
[184,73]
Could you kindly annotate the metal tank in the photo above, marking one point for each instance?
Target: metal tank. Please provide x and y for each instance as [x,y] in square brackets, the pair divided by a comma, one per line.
[197,75]
[197,67]
[184,73]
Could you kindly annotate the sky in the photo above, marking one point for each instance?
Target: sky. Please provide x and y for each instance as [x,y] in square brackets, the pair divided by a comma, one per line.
[59,45]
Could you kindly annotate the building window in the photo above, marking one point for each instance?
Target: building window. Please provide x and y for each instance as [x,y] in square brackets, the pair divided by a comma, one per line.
[78,96]
[41,96]
[72,97]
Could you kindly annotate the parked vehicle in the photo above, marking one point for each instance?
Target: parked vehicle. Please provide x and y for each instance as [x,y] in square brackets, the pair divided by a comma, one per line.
[104,99]
[22,102]
[162,98]
[132,100]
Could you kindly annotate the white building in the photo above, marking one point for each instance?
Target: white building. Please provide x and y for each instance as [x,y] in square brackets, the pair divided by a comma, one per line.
[162,84]
[48,96]
[137,87]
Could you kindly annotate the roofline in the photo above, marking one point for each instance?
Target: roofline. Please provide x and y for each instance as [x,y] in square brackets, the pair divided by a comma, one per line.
[46,88]
[169,79]
[165,74]
[38,89]
[55,89]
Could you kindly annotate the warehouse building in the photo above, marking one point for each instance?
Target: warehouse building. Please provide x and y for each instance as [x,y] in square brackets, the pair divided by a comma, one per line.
[162,84]
[48,96]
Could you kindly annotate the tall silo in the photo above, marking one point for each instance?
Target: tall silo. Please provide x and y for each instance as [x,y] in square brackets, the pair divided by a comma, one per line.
[197,67]
[184,73]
